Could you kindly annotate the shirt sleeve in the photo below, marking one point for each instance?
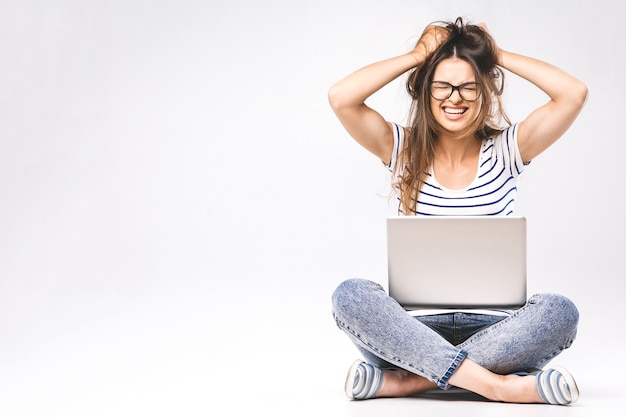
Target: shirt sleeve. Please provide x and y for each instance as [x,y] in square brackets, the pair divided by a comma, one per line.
[510,149]
[398,141]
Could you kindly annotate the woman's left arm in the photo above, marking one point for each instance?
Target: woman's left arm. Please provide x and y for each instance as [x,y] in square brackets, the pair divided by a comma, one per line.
[549,122]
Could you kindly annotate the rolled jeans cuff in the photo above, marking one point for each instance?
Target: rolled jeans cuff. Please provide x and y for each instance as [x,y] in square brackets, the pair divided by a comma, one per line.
[443,382]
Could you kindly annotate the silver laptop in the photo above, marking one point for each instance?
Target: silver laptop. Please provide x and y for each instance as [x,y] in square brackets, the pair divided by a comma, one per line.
[457,262]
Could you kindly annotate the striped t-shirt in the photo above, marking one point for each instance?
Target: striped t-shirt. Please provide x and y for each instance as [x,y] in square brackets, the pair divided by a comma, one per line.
[493,190]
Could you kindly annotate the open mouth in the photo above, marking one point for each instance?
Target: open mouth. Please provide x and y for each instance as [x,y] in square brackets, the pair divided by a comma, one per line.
[455,111]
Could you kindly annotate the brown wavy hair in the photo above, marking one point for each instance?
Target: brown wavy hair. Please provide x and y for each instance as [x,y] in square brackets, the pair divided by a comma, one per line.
[475,46]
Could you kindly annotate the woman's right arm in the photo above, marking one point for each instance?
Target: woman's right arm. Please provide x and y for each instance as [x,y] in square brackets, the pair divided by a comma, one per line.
[347,97]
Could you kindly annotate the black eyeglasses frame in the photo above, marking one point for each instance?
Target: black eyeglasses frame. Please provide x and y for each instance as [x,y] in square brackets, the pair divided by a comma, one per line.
[454,88]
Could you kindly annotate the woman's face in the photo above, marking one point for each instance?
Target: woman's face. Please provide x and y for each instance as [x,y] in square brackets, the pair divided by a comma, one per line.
[456,112]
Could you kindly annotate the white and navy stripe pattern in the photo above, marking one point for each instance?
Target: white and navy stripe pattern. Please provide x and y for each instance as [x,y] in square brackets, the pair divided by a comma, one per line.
[363,381]
[493,190]
[557,386]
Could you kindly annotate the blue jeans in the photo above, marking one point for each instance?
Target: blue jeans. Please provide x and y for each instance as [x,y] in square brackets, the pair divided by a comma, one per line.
[434,346]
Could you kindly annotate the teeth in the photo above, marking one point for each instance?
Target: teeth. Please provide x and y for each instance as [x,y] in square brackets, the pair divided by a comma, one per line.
[454,111]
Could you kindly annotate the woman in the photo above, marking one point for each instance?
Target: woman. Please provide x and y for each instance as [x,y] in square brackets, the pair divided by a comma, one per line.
[459,156]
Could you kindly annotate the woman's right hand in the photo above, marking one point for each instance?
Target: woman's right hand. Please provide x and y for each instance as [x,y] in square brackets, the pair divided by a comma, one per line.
[347,97]
[432,38]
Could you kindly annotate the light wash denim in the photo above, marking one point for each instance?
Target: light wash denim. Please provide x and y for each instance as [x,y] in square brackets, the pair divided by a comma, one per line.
[434,346]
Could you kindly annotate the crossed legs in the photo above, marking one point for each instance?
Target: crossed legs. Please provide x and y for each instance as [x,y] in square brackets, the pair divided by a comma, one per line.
[422,359]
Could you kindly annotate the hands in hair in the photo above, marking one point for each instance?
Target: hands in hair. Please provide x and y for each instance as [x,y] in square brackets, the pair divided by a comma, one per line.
[432,38]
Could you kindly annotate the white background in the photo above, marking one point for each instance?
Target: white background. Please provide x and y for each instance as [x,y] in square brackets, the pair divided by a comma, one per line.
[177,200]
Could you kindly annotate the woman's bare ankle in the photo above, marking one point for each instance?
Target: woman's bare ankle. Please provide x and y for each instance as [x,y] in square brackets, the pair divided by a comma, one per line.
[402,383]
[517,389]
[503,388]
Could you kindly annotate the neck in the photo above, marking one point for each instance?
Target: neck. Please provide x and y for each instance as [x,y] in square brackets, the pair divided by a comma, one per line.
[455,150]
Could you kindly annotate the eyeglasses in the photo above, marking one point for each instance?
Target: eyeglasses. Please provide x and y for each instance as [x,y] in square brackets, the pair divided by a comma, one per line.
[441,90]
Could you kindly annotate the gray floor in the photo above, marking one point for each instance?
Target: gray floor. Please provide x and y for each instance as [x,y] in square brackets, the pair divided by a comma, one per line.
[190,352]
